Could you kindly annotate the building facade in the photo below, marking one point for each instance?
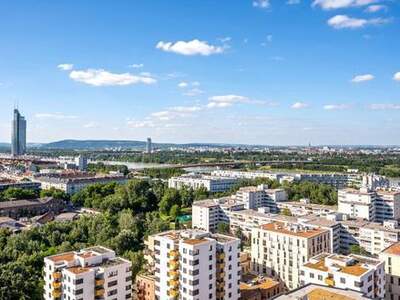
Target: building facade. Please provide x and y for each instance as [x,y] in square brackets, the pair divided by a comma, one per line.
[391,257]
[18,135]
[359,273]
[279,249]
[92,273]
[213,184]
[196,265]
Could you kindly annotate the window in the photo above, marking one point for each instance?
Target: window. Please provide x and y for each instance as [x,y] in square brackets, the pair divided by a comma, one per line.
[78,292]
[112,283]
[342,280]
[112,273]
[311,275]
[79,281]
[320,277]
[113,292]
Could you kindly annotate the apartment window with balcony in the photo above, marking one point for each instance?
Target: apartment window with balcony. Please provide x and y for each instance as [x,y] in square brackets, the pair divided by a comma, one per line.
[112,273]
[78,292]
[113,292]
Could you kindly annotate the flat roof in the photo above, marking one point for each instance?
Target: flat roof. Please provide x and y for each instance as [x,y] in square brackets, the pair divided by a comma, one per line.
[283,228]
[195,241]
[254,282]
[393,249]
[78,270]
[67,256]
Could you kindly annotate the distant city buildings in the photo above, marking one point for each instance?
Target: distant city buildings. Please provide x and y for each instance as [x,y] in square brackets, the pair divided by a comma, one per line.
[81,162]
[149,146]
[92,273]
[213,184]
[18,135]
[28,208]
[194,264]
[26,185]
[359,273]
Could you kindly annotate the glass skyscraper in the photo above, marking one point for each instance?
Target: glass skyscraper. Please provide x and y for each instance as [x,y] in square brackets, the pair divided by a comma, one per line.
[18,142]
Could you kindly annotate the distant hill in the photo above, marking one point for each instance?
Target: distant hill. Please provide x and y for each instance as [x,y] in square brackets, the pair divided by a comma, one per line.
[124,144]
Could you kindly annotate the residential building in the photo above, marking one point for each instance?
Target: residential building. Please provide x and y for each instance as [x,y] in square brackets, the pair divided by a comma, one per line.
[81,162]
[92,273]
[246,174]
[245,262]
[194,264]
[359,273]
[145,287]
[207,214]
[213,184]
[391,257]
[18,135]
[254,197]
[72,184]
[28,208]
[253,287]
[26,185]
[333,179]
[279,249]
[304,207]
[378,206]
[319,292]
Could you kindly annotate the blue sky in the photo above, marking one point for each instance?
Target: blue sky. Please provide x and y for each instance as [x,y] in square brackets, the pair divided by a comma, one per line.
[264,72]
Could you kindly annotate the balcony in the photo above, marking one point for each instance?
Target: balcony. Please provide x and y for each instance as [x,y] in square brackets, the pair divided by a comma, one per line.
[56,285]
[174,284]
[173,293]
[221,255]
[221,266]
[173,254]
[56,294]
[57,275]
[173,274]
[99,282]
[99,292]
[220,295]
[221,275]
[174,265]
[329,281]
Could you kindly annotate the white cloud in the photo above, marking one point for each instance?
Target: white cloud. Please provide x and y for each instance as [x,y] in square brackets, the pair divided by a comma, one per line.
[225,39]
[186,109]
[193,92]
[384,106]
[100,77]
[336,106]
[335,4]
[396,76]
[136,66]
[261,3]
[140,124]
[343,21]
[299,105]
[362,78]
[175,112]
[55,116]
[293,2]
[194,47]
[229,100]
[183,84]
[376,8]
[65,67]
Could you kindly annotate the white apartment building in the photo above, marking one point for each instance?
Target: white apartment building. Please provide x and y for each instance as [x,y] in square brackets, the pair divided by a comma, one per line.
[196,265]
[246,174]
[72,185]
[92,273]
[213,184]
[378,206]
[254,197]
[391,257]
[207,214]
[304,207]
[359,273]
[279,249]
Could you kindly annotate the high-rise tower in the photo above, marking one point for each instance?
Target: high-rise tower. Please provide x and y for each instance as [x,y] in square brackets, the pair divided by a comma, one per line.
[18,137]
[149,146]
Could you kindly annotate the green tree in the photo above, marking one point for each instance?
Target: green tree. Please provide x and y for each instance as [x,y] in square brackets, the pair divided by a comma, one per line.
[223,228]
[170,198]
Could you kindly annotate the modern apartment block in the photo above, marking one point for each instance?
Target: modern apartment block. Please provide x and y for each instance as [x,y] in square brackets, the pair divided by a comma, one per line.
[196,265]
[145,287]
[207,214]
[247,174]
[304,208]
[92,273]
[72,184]
[213,184]
[254,197]
[391,257]
[378,206]
[279,249]
[359,273]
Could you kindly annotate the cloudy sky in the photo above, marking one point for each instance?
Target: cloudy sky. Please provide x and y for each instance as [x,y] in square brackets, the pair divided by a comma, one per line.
[244,71]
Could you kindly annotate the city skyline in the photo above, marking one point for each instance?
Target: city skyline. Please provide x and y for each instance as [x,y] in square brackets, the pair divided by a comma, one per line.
[209,72]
